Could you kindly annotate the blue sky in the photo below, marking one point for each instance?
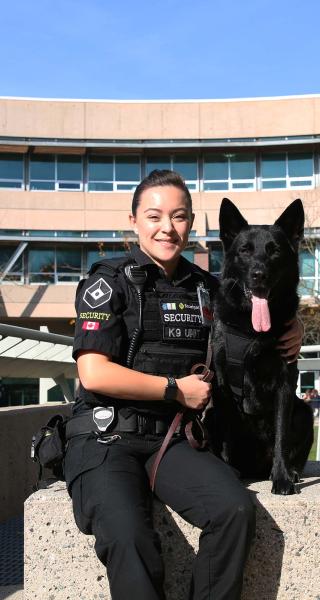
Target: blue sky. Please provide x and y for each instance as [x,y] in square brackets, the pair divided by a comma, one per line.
[166,49]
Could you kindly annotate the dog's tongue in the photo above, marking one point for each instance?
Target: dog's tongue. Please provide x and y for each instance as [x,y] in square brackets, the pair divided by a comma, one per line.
[260,314]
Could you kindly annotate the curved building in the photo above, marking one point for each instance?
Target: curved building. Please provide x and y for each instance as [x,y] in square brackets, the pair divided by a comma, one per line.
[68,168]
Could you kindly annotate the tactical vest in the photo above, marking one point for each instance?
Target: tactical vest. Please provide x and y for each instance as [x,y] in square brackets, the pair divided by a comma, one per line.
[172,338]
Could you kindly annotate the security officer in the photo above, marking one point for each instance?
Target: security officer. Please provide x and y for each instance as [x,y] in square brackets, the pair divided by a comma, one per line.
[142,324]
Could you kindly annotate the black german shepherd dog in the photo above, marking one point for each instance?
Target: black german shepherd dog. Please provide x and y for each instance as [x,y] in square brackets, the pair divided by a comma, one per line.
[258,424]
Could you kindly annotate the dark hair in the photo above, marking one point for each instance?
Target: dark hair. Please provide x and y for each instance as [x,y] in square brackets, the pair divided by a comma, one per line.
[158,178]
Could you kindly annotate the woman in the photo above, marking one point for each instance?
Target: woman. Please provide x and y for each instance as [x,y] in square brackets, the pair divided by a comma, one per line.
[128,399]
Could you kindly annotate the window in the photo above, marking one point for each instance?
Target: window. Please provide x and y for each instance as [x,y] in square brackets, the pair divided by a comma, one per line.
[108,173]
[11,171]
[185,165]
[68,264]
[215,258]
[100,174]
[49,172]
[54,265]
[42,172]
[127,172]
[16,271]
[41,265]
[309,261]
[229,172]
[16,391]
[287,170]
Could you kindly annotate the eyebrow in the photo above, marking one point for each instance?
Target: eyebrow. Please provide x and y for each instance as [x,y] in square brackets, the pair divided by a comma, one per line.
[160,211]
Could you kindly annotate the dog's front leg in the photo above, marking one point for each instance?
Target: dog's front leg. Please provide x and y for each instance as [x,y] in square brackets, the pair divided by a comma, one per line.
[282,478]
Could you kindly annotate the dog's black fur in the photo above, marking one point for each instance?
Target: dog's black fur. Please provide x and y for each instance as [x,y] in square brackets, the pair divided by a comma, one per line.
[269,430]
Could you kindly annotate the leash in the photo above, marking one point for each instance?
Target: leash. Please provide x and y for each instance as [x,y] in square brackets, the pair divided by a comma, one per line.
[202,369]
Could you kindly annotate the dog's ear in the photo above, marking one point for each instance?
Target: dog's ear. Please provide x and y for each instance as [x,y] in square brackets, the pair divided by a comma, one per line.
[231,222]
[292,222]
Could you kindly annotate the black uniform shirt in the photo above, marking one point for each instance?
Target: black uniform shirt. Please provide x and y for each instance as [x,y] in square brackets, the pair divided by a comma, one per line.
[108,312]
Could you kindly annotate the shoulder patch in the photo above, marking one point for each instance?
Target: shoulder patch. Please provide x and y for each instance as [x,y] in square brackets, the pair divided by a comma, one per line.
[98,293]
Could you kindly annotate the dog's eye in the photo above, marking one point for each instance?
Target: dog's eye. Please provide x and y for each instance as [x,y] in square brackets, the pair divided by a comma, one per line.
[272,250]
[246,249]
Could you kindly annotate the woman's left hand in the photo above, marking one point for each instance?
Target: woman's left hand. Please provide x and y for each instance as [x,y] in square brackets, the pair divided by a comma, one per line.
[290,342]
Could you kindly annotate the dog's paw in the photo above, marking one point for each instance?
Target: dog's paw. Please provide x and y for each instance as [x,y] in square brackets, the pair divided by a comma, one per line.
[282,486]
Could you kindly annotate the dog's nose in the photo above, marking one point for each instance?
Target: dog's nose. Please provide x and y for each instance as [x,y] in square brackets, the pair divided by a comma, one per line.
[258,276]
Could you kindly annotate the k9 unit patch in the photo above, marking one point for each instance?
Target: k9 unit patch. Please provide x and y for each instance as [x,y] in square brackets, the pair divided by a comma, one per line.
[183,333]
[98,293]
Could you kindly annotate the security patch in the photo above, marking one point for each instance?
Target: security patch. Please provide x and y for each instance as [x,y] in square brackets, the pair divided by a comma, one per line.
[98,293]
[97,316]
[180,313]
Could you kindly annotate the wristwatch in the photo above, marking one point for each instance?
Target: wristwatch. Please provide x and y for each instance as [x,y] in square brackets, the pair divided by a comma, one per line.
[171,391]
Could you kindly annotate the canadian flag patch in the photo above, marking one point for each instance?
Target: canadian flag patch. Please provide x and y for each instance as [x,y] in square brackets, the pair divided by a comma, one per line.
[91,325]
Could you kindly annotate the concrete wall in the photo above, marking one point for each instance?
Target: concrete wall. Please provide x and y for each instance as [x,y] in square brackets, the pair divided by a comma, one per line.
[17,471]
[80,119]
[85,211]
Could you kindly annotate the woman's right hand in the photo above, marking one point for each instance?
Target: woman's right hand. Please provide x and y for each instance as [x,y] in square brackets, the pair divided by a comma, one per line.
[193,392]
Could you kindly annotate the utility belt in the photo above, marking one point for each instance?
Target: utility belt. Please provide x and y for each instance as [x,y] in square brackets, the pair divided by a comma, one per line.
[135,423]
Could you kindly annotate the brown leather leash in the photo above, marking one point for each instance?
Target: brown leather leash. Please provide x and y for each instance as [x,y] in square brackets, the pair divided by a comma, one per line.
[206,375]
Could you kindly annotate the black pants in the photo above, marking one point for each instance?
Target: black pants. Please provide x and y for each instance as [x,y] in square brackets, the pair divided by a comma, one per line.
[112,501]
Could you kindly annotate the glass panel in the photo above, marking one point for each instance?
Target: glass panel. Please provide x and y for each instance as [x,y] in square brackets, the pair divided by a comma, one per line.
[41,233]
[41,260]
[69,168]
[11,166]
[18,391]
[307,264]
[221,185]
[127,168]
[215,167]
[42,185]
[277,183]
[306,287]
[12,232]
[10,184]
[69,186]
[68,277]
[187,166]
[62,233]
[100,187]
[301,183]
[42,167]
[243,166]
[126,186]
[242,185]
[215,260]
[41,278]
[300,165]
[100,168]
[68,260]
[6,253]
[191,186]
[273,165]
[189,255]
[158,162]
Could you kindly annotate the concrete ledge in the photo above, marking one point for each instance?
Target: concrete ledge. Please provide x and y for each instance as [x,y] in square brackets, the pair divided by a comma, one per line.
[284,564]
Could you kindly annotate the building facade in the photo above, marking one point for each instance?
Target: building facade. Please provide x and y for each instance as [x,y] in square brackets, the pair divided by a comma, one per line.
[68,169]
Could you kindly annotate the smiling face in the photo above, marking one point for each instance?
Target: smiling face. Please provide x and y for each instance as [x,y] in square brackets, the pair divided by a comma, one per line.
[163,221]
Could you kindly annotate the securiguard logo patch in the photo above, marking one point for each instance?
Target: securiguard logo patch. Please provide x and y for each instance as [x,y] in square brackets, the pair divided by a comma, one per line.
[98,293]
